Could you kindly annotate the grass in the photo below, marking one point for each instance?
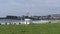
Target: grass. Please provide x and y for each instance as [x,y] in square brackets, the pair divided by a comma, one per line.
[31,29]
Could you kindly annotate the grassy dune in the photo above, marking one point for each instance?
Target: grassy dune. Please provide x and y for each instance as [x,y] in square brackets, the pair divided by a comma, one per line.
[30,29]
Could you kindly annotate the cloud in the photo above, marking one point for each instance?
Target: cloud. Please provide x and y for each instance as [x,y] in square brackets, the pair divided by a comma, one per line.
[36,7]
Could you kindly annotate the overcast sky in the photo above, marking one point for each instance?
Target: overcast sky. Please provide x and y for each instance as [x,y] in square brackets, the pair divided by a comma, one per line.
[35,7]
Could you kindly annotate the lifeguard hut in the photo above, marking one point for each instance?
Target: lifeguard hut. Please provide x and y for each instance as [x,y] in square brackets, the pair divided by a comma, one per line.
[28,21]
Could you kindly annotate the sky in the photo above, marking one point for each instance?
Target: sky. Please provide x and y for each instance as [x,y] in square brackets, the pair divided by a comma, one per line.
[35,7]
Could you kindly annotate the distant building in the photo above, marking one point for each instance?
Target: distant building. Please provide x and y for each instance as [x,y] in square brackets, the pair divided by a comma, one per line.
[13,17]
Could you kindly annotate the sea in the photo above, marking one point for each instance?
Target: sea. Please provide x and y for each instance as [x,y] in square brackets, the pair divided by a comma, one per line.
[22,21]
